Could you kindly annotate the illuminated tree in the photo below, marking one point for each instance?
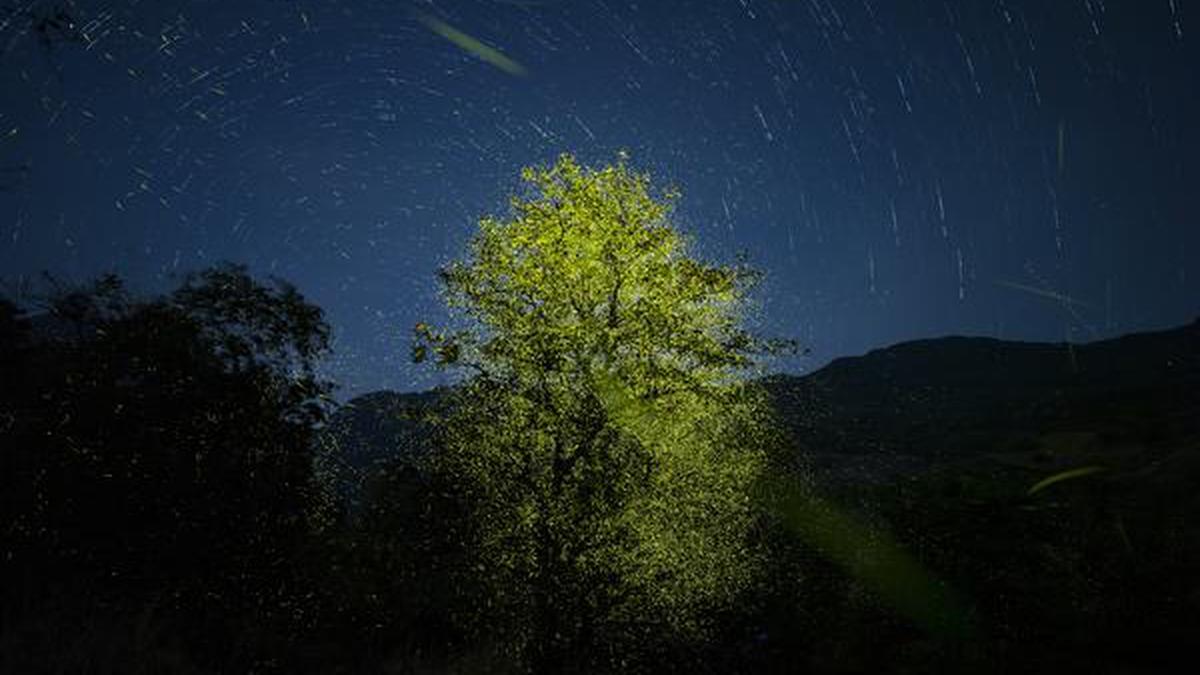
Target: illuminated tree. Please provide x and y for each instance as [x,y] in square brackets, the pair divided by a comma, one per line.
[605,443]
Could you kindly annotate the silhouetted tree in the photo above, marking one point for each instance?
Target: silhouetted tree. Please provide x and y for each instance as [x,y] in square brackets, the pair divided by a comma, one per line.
[157,453]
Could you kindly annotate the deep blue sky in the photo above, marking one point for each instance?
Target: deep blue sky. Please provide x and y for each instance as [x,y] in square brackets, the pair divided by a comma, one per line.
[1016,168]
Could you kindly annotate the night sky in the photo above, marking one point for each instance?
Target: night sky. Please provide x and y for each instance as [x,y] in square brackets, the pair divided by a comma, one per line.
[1024,169]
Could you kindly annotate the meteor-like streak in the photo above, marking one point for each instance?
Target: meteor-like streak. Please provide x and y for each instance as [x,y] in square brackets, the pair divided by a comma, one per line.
[1052,295]
[470,44]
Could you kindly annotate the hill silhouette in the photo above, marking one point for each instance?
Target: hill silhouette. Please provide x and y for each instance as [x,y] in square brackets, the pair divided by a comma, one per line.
[916,405]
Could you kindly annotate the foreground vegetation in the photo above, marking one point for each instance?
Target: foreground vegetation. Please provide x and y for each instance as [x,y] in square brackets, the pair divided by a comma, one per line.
[609,490]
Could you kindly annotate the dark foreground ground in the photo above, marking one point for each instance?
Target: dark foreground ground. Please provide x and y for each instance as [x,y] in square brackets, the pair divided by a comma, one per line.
[984,506]
[936,447]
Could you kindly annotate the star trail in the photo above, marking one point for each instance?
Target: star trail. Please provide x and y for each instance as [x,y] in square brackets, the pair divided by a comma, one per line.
[1013,168]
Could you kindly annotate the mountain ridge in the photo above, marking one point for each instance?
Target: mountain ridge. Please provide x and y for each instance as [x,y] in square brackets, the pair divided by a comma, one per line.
[908,406]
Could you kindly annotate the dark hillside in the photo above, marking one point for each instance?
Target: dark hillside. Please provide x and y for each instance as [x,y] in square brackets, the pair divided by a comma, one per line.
[938,445]
[918,403]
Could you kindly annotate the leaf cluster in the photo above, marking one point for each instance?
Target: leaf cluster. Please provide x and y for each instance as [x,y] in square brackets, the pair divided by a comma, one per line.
[605,444]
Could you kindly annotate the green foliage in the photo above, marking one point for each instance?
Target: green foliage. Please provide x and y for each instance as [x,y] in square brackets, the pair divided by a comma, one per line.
[606,446]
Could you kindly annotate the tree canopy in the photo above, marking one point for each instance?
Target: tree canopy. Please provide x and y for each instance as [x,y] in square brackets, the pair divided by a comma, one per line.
[605,442]
[156,460]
